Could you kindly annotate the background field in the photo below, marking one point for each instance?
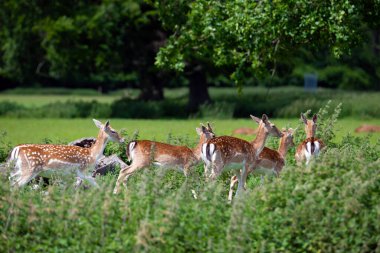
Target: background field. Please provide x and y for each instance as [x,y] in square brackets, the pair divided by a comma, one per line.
[330,206]
[65,130]
[279,102]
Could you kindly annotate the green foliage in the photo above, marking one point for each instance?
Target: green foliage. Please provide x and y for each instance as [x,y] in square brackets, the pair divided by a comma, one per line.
[284,102]
[330,206]
[250,37]
[70,42]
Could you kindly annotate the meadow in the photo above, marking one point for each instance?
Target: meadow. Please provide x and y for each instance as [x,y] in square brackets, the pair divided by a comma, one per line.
[332,205]
[19,131]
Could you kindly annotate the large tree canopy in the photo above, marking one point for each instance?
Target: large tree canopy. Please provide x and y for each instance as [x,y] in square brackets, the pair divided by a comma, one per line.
[251,36]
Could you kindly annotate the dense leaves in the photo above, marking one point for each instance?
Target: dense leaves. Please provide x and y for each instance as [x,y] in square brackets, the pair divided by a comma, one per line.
[252,36]
[332,205]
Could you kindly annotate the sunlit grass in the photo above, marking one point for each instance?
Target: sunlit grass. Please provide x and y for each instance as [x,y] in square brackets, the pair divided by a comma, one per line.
[64,130]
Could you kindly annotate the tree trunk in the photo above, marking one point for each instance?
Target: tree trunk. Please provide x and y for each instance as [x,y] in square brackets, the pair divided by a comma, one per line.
[376,42]
[198,89]
[151,86]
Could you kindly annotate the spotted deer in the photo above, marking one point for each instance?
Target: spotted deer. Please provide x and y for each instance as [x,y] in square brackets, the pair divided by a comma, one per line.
[30,160]
[226,152]
[269,159]
[145,153]
[311,146]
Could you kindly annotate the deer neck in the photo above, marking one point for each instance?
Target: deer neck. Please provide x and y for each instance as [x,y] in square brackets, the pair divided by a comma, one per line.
[197,149]
[310,133]
[282,149]
[100,144]
[259,142]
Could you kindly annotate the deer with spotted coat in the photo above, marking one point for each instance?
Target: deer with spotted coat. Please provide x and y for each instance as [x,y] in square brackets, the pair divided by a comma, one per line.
[30,160]
[226,152]
[145,153]
[269,159]
[312,146]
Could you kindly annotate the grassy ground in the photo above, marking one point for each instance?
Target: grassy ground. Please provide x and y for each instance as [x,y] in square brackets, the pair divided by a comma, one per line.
[332,205]
[64,130]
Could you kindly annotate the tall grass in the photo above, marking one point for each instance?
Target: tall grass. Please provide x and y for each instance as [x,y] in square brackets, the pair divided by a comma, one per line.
[332,205]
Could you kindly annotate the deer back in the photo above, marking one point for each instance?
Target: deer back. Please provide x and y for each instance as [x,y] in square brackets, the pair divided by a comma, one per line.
[230,148]
[47,154]
[145,150]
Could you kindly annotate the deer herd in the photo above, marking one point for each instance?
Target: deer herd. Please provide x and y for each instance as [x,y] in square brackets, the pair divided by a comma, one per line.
[218,153]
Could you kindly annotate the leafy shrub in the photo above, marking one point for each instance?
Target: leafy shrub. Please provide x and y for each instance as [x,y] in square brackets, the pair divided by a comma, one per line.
[331,205]
[128,108]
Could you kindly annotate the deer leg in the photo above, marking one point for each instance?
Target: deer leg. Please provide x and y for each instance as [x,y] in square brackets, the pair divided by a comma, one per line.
[242,177]
[88,178]
[124,175]
[24,172]
[233,182]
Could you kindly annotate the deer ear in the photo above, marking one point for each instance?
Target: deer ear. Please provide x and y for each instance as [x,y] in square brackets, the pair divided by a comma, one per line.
[303,118]
[209,127]
[264,118]
[98,124]
[199,131]
[256,119]
[315,117]
[107,124]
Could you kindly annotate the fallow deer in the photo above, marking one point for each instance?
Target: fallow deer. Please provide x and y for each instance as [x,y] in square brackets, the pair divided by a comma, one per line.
[244,131]
[145,153]
[226,152]
[30,160]
[270,159]
[311,146]
[367,129]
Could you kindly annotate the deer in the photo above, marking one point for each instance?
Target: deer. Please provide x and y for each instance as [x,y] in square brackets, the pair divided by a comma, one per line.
[269,159]
[244,131]
[145,153]
[311,146]
[30,160]
[367,129]
[230,153]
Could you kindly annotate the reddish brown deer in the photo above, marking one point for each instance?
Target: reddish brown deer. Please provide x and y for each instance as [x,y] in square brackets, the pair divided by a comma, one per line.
[30,160]
[311,146]
[244,131]
[270,159]
[226,152]
[367,129]
[145,153]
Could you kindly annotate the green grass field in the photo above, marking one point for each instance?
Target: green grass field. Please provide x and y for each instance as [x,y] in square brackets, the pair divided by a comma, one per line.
[332,205]
[65,130]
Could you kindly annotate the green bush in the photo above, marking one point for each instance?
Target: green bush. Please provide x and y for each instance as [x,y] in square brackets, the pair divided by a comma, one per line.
[227,103]
[331,205]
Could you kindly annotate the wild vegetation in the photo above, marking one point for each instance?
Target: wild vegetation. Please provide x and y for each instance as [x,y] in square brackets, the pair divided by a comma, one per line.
[276,102]
[330,206]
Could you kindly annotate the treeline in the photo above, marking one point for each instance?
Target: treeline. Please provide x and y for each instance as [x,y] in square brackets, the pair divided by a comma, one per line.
[284,102]
[114,44]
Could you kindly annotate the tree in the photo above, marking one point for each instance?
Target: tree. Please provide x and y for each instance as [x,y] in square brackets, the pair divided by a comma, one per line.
[86,43]
[250,37]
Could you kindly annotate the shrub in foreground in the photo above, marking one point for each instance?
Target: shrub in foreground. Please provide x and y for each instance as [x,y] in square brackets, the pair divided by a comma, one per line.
[331,206]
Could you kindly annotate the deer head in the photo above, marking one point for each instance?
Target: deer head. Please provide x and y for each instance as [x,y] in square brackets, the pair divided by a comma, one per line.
[287,137]
[310,125]
[110,133]
[268,127]
[206,131]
